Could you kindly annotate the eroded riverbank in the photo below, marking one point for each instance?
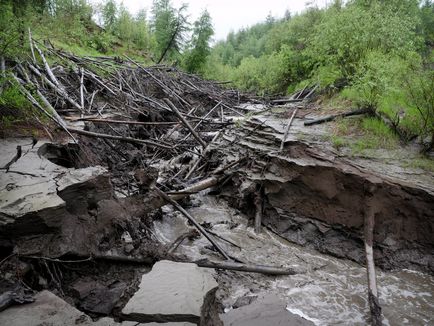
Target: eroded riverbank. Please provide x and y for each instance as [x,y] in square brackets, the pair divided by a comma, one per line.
[94,226]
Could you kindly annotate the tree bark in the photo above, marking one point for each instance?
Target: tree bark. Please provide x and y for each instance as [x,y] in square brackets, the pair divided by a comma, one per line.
[333,117]
[126,139]
[268,270]
[369,223]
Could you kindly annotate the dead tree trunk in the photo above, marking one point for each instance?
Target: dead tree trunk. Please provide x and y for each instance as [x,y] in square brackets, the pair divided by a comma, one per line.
[194,222]
[258,213]
[287,128]
[369,223]
[268,270]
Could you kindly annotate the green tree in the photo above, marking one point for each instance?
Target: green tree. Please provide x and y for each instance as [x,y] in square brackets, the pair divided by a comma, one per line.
[199,44]
[168,26]
[109,15]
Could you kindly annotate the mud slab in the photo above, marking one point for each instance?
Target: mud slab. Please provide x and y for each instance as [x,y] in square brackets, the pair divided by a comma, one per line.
[34,190]
[170,292]
[49,309]
[268,310]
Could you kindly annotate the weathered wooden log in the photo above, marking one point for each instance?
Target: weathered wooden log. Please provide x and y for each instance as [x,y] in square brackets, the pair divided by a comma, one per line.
[333,117]
[196,161]
[31,47]
[287,128]
[82,88]
[286,100]
[369,222]
[204,117]
[251,268]
[48,69]
[52,115]
[126,122]
[185,122]
[120,138]
[60,91]
[193,221]
[258,211]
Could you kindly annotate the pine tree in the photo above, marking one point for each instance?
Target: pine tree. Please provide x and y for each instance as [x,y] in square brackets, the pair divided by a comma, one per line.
[109,15]
[200,48]
[168,27]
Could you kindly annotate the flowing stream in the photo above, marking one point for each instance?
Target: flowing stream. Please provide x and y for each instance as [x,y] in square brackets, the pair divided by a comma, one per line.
[328,291]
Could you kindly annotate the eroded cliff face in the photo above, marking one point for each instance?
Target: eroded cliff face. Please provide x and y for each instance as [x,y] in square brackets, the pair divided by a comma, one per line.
[52,210]
[315,198]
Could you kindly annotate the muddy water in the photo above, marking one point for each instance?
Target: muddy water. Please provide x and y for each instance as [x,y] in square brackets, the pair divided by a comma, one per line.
[328,291]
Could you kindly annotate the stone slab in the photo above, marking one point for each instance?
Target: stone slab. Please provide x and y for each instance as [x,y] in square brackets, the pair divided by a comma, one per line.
[268,310]
[171,292]
[33,184]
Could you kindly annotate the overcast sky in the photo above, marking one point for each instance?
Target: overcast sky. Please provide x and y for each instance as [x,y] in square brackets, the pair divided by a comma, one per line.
[230,15]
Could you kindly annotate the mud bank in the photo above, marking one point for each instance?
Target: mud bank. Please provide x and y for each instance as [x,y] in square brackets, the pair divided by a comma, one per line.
[315,198]
[53,211]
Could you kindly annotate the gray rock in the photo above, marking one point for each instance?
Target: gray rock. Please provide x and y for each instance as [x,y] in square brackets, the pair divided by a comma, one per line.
[170,292]
[47,309]
[35,191]
[268,310]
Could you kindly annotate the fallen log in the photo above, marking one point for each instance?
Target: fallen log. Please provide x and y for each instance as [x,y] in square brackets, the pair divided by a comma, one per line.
[120,138]
[97,120]
[333,117]
[51,115]
[185,122]
[47,68]
[286,100]
[194,222]
[251,268]
[287,128]
[197,160]
[258,211]
[58,90]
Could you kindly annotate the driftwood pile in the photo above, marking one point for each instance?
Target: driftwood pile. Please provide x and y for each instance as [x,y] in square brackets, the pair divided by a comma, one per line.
[152,126]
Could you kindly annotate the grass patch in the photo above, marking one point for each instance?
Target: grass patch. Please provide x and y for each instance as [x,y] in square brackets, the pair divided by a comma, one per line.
[422,163]
[362,134]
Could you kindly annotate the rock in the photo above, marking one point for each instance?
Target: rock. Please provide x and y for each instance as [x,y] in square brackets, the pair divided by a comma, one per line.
[128,248]
[244,301]
[97,298]
[170,292]
[47,309]
[36,191]
[267,310]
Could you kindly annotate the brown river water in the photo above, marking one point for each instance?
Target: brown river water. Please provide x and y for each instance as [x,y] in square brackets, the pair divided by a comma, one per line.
[328,291]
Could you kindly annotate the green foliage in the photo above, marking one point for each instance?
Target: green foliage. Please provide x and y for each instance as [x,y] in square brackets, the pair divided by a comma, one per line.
[12,99]
[11,29]
[168,26]
[109,15]
[200,49]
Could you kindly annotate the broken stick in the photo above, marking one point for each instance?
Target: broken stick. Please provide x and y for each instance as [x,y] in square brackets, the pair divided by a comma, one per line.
[185,122]
[258,213]
[107,136]
[193,221]
[287,128]
[333,117]
[268,270]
